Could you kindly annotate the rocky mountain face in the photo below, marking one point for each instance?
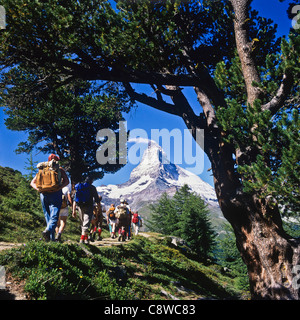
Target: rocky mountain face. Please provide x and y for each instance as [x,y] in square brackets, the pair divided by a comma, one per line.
[154,176]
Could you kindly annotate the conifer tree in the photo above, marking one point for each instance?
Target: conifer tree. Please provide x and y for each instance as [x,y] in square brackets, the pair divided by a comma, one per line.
[229,257]
[30,167]
[164,216]
[184,215]
[66,122]
[195,226]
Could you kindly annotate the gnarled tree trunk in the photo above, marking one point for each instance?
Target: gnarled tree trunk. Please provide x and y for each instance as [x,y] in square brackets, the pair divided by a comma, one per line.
[269,253]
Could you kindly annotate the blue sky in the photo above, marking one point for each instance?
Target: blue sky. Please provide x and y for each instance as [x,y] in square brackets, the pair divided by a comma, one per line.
[142,117]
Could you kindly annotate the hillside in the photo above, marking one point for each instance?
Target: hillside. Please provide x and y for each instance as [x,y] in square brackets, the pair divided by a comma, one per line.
[142,269]
[147,267]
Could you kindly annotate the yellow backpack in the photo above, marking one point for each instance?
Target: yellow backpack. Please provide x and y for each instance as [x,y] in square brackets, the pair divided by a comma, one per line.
[48,178]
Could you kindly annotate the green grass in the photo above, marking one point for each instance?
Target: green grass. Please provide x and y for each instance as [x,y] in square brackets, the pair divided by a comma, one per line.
[140,269]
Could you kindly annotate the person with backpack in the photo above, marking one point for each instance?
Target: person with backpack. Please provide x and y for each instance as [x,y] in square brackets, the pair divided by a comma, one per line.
[128,221]
[85,196]
[49,181]
[97,221]
[122,213]
[64,211]
[137,222]
[111,220]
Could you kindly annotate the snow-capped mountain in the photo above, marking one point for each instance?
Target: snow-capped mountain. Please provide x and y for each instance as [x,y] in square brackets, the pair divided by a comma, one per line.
[151,178]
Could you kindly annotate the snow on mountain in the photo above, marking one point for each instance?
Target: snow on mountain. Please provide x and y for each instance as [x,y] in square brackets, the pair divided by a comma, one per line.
[152,177]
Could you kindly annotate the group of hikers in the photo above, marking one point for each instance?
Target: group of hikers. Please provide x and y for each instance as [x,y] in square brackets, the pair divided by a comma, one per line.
[56,196]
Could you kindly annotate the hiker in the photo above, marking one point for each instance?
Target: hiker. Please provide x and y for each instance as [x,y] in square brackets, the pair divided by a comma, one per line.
[64,212]
[111,220]
[49,181]
[97,221]
[86,195]
[137,222]
[122,213]
[128,227]
[129,224]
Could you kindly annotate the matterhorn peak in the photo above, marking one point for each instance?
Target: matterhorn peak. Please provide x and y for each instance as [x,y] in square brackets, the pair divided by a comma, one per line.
[154,160]
[155,174]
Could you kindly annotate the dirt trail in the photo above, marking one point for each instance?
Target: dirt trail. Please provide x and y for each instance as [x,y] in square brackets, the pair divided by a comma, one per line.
[9,245]
[103,242]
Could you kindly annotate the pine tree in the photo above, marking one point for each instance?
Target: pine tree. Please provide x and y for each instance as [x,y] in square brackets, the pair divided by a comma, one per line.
[196,228]
[66,121]
[184,215]
[228,256]
[30,167]
[163,216]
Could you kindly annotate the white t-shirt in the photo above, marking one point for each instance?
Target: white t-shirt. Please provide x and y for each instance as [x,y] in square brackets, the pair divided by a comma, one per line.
[64,212]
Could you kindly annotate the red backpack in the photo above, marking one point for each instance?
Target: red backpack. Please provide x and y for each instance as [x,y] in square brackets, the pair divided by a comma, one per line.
[135,218]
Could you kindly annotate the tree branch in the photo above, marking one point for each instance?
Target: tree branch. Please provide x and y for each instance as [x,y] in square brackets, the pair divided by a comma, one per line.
[118,74]
[152,102]
[278,100]
[180,108]
[244,48]
[185,110]
[207,107]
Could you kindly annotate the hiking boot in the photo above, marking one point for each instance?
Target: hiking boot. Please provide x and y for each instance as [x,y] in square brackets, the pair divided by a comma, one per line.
[46,235]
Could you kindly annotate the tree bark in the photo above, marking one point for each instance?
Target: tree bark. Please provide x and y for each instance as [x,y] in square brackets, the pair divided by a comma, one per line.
[244,48]
[269,253]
